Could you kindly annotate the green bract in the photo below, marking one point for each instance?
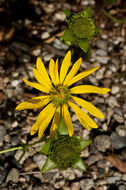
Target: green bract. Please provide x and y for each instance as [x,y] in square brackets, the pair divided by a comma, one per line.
[81,29]
[64,151]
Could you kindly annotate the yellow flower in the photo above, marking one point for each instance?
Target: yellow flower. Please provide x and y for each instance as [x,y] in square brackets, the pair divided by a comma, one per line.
[58,96]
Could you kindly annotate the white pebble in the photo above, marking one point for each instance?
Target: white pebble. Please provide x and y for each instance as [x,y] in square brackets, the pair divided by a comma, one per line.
[14,83]
[115,89]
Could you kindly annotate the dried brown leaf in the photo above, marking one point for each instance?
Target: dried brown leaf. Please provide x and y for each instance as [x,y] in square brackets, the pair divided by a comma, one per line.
[117,162]
[51,39]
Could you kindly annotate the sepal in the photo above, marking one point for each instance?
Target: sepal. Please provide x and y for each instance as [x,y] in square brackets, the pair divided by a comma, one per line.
[45,147]
[49,165]
[80,164]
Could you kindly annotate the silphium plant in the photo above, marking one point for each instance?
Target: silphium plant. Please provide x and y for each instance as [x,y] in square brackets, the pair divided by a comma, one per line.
[64,151]
[80,29]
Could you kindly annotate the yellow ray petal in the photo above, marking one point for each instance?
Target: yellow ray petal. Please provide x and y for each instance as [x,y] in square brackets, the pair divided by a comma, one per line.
[42,70]
[73,71]
[56,73]
[36,85]
[67,119]
[46,122]
[65,66]
[52,71]
[83,117]
[54,125]
[37,102]
[40,79]
[89,107]
[88,89]
[43,114]
[81,75]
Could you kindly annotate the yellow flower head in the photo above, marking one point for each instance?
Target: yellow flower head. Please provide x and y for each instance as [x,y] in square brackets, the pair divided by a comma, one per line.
[59,96]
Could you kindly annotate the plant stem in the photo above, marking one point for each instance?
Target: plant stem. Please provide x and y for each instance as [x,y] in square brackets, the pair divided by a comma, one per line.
[120,21]
[11,149]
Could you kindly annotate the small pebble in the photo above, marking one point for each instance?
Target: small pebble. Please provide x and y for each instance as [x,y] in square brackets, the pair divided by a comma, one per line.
[13,176]
[87,184]
[115,89]
[45,35]
[14,124]
[14,83]
[102,44]
[102,142]
[121,130]
[60,16]
[118,118]
[68,174]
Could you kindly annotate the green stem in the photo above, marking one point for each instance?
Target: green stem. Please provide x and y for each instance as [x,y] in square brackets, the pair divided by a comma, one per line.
[11,149]
[21,147]
[120,21]
[23,153]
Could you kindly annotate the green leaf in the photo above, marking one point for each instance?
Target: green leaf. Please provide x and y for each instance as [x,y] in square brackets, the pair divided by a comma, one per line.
[67,37]
[88,12]
[62,129]
[67,13]
[84,44]
[45,147]
[49,165]
[85,143]
[80,164]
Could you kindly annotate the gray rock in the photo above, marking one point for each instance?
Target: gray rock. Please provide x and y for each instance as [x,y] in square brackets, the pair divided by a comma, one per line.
[13,175]
[15,140]
[124,177]
[14,83]
[68,174]
[101,52]
[94,158]
[14,124]
[118,118]
[115,90]
[24,58]
[102,44]
[122,187]
[38,10]
[117,141]
[102,142]
[103,59]
[2,133]
[121,130]
[39,160]
[113,179]
[10,93]
[59,45]
[47,57]
[124,107]
[2,174]
[75,186]
[45,35]
[36,51]
[87,184]
[99,75]
[59,184]
[37,188]
[60,16]
[112,101]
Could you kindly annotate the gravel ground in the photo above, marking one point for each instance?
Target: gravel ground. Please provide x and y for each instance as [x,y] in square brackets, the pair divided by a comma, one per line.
[27,30]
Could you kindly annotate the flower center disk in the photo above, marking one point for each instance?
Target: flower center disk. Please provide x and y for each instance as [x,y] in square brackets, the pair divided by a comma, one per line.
[65,151]
[60,95]
[82,27]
